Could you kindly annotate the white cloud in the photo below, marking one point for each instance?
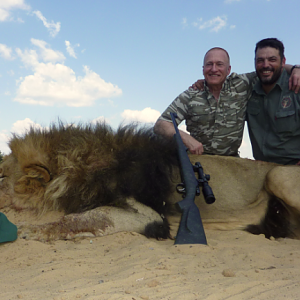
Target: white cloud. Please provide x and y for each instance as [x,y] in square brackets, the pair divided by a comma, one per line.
[19,127]
[70,49]
[31,57]
[53,83]
[4,138]
[196,24]
[147,115]
[5,52]
[100,119]
[4,14]
[232,26]
[47,54]
[57,84]
[214,24]
[52,27]
[28,57]
[22,126]
[7,5]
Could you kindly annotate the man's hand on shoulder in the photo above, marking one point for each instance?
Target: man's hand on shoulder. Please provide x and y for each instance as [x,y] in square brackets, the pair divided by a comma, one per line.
[198,85]
[294,81]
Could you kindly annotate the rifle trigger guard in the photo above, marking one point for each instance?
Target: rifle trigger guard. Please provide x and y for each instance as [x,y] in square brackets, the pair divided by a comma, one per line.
[180,187]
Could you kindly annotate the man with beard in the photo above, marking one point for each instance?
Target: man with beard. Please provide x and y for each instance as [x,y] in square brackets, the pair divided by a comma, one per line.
[215,114]
[273,110]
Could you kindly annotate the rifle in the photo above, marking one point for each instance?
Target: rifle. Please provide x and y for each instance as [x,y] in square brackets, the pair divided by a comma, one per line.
[191,229]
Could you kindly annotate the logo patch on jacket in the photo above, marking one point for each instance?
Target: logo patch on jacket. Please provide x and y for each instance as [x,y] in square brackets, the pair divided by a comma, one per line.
[286,102]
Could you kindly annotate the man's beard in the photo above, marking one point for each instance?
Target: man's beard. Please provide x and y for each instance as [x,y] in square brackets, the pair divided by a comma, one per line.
[273,79]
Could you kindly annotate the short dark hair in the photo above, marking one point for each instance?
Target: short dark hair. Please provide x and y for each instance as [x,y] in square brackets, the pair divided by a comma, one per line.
[271,42]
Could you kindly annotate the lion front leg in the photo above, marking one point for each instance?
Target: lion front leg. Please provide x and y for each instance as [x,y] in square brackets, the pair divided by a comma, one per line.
[99,222]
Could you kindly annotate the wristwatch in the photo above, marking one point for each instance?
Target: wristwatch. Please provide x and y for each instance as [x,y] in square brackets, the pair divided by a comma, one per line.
[293,67]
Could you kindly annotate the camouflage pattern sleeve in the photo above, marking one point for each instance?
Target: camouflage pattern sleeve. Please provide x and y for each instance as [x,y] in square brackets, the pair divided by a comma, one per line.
[179,106]
[250,78]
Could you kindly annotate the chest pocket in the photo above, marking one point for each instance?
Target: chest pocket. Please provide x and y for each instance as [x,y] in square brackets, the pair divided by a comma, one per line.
[231,112]
[200,114]
[252,110]
[230,116]
[285,121]
[255,117]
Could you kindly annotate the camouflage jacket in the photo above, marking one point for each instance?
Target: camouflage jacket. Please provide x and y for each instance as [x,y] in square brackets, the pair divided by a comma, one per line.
[217,124]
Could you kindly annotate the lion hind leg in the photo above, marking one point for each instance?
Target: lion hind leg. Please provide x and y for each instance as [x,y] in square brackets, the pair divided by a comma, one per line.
[282,218]
[283,182]
[276,222]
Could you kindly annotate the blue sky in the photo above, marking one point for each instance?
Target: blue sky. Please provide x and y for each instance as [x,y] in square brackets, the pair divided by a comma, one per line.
[122,61]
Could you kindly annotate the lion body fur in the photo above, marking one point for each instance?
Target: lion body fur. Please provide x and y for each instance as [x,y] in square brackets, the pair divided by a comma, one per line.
[77,180]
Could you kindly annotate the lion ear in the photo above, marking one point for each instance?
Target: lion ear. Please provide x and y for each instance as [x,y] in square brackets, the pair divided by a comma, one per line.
[34,180]
[38,172]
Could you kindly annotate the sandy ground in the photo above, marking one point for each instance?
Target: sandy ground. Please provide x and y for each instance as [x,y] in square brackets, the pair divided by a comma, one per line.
[235,265]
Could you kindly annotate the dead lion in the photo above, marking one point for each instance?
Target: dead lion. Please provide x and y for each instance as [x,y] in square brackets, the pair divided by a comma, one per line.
[91,181]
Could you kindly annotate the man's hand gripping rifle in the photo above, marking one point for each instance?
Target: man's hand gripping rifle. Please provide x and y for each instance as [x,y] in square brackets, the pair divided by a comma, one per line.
[191,229]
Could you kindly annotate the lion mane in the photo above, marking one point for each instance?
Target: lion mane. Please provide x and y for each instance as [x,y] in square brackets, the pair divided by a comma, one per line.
[78,168]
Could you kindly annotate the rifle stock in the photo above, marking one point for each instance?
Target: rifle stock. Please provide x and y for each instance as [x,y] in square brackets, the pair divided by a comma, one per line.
[191,229]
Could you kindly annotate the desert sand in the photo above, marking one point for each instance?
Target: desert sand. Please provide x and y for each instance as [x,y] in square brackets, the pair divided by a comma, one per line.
[234,265]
